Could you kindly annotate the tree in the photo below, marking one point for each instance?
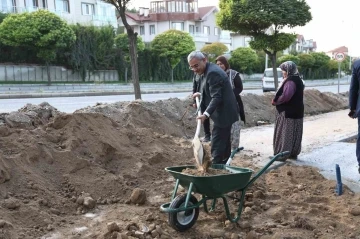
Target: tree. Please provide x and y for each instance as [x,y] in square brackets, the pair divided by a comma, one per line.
[306,61]
[173,45]
[121,7]
[256,17]
[321,61]
[122,43]
[289,57]
[214,50]
[243,59]
[42,31]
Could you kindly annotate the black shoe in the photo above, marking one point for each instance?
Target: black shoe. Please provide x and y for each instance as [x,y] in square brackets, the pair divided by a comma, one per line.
[205,139]
[293,157]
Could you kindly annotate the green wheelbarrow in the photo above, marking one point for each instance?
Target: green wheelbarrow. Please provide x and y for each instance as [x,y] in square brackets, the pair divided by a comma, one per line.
[183,209]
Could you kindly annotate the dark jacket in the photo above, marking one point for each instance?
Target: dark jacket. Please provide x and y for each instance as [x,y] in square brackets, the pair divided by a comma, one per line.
[294,108]
[237,85]
[218,97]
[354,99]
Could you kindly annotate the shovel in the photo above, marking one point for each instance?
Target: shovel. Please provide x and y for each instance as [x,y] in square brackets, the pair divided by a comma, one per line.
[197,146]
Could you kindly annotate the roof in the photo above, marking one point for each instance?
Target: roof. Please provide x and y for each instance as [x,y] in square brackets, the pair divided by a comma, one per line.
[203,12]
[300,37]
[340,49]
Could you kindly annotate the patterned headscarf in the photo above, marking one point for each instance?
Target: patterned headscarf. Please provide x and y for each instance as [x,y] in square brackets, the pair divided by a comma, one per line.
[290,68]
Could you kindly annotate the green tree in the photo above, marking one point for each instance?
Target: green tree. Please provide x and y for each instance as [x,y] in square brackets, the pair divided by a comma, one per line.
[243,59]
[92,50]
[173,45]
[214,50]
[289,57]
[122,43]
[306,61]
[121,7]
[256,17]
[332,67]
[42,31]
[3,16]
[321,61]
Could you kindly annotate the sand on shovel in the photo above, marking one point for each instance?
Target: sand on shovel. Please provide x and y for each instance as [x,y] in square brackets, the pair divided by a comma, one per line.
[206,165]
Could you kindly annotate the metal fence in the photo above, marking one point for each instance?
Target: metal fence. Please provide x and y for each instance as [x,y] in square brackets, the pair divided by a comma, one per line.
[26,73]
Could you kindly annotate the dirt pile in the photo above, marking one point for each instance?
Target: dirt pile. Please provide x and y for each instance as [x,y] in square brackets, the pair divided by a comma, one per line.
[70,175]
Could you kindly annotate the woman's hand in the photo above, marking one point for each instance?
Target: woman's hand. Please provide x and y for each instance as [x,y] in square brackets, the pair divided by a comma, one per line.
[273,102]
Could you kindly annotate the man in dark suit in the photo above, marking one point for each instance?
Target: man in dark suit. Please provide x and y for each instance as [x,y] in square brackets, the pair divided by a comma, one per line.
[219,102]
[354,103]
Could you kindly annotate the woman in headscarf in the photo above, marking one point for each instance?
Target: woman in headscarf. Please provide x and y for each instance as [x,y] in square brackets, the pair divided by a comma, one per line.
[289,104]
[237,86]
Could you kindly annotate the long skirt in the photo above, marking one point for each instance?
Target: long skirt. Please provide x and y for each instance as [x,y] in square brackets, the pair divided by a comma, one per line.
[287,134]
[235,134]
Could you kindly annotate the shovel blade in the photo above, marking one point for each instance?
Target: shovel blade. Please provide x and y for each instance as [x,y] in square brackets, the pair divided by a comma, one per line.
[198,151]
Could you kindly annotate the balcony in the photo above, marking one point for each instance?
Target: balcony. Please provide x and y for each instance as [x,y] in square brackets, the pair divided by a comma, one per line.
[200,37]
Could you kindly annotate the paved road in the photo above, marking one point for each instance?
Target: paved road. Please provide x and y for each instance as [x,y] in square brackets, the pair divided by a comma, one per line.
[70,104]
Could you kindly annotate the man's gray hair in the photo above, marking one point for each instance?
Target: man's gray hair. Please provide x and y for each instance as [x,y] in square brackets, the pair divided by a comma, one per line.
[197,55]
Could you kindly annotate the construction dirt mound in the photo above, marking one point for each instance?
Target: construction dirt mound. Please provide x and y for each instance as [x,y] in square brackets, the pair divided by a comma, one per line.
[99,173]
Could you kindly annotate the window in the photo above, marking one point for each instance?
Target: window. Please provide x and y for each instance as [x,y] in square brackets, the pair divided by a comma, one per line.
[62,6]
[178,26]
[142,30]
[44,2]
[7,6]
[152,29]
[31,3]
[87,9]
[191,29]
[206,30]
[216,31]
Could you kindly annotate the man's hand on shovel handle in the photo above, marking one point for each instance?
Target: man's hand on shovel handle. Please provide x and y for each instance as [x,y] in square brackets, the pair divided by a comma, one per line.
[202,118]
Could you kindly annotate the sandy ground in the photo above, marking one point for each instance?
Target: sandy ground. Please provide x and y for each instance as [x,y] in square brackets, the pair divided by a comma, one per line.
[99,173]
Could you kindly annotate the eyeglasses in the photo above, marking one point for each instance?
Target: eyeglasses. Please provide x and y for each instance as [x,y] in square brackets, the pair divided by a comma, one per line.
[194,67]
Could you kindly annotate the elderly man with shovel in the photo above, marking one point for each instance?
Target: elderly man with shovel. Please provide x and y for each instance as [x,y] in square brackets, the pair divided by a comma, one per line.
[218,100]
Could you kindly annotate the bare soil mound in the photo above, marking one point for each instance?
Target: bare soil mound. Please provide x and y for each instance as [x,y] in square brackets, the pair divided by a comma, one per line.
[70,175]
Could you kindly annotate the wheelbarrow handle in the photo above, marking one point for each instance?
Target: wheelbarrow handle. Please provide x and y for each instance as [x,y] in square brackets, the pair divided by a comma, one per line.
[261,171]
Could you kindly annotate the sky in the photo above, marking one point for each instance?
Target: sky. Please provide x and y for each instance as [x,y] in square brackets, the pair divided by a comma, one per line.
[333,23]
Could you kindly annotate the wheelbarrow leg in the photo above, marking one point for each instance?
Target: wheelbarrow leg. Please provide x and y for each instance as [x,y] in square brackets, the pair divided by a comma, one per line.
[175,189]
[205,205]
[213,205]
[188,194]
[228,215]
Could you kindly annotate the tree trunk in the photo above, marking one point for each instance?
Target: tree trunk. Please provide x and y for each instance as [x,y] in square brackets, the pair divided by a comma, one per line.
[120,5]
[134,64]
[172,75]
[48,72]
[126,75]
[276,79]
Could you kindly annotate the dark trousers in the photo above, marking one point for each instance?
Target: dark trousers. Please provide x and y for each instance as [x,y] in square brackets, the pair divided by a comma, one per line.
[358,143]
[220,144]
[207,127]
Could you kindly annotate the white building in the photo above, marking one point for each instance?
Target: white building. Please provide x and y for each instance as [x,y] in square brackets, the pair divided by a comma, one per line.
[183,15]
[85,12]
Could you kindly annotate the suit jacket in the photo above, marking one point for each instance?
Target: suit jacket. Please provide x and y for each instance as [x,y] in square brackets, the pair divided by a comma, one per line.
[354,99]
[217,96]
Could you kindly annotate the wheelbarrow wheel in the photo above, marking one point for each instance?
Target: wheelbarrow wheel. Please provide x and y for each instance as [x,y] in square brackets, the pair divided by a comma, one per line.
[184,220]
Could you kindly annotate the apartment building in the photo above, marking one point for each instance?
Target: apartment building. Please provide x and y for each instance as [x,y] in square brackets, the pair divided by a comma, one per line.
[86,12]
[301,46]
[184,15]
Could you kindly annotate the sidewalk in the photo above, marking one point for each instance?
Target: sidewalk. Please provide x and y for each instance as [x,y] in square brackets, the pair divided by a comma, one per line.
[321,145]
[13,91]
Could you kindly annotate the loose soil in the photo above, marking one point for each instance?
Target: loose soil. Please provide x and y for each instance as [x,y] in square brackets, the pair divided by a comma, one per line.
[99,173]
